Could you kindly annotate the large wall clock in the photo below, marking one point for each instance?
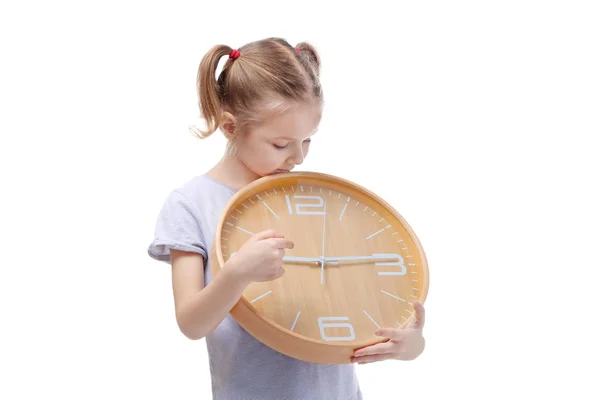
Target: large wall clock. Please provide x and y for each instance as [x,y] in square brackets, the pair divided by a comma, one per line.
[356,265]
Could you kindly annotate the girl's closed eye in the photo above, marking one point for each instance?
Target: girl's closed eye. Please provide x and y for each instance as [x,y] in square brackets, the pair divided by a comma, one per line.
[281,147]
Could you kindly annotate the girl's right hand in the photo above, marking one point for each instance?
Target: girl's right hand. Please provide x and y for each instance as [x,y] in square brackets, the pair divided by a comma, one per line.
[261,257]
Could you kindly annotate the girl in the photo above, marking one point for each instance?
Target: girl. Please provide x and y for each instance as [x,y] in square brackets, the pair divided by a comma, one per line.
[268,102]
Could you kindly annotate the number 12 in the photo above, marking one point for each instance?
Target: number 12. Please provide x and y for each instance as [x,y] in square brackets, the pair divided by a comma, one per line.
[299,211]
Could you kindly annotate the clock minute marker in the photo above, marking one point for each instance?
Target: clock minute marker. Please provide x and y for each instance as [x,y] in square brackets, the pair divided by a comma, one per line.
[391,295]
[270,209]
[261,296]
[243,230]
[378,232]
[371,318]
[344,210]
[295,321]
[289,204]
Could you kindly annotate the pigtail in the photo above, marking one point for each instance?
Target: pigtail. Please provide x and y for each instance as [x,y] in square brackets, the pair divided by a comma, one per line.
[210,91]
[260,76]
[310,60]
[312,56]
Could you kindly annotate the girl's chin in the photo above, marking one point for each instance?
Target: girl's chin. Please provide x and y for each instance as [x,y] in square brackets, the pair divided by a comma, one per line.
[278,171]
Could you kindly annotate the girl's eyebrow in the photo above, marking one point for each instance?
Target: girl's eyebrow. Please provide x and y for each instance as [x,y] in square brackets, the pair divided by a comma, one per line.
[287,138]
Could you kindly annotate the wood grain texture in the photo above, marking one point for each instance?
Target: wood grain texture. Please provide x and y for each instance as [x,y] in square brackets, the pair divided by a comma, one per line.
[322,313]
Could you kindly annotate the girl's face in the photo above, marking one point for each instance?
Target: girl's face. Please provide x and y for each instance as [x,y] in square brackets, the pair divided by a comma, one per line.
[282,142]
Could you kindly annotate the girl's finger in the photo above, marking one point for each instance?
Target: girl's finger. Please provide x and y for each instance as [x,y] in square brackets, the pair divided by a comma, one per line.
[379,348]
[371,358]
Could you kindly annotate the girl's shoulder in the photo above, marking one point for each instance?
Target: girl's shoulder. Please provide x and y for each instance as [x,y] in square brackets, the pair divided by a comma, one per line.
[203,188]
[188,218]
[203,193]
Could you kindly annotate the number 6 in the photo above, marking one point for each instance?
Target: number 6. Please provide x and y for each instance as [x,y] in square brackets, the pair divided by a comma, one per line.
[323,325]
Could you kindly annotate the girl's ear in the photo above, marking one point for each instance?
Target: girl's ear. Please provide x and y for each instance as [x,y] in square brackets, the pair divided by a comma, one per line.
[228,125]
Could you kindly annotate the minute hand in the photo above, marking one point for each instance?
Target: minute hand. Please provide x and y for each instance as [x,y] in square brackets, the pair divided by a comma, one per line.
[334,259]
[366,258]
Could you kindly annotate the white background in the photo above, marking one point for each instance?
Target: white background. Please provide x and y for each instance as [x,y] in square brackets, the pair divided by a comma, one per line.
[477,120]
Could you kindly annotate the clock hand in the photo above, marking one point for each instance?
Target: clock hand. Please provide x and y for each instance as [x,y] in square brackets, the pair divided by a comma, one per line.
[323,242]
[333,259]
[352,258]
[302,259]
[297,259]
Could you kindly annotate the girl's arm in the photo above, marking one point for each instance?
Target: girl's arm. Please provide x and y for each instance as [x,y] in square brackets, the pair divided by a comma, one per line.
[199,310]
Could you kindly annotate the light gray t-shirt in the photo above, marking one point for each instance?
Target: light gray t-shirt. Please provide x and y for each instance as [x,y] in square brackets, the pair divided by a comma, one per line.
[242,368]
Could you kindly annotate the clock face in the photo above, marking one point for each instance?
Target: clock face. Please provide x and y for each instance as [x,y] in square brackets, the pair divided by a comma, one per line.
[356,264]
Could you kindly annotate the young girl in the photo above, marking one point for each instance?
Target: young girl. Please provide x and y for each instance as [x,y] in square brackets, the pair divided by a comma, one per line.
[268,102]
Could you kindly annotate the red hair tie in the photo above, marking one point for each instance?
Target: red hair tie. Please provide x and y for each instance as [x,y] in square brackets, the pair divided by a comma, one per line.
[298,50]
[234,54]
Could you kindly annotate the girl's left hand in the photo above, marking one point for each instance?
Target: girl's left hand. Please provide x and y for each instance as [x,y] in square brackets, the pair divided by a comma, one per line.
[403,344]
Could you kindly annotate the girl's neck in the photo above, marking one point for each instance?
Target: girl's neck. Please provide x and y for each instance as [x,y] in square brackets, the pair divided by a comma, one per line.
[232,172]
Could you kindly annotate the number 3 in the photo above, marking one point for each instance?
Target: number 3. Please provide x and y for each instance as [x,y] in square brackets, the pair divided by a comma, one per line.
[399,263]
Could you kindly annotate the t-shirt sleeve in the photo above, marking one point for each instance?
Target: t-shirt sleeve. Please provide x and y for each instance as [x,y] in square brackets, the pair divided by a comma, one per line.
[177,227]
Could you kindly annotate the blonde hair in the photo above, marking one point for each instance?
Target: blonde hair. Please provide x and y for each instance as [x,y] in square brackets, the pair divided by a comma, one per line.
[261,76]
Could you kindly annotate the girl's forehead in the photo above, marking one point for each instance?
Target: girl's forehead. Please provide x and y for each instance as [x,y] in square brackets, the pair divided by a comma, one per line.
[296,123]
